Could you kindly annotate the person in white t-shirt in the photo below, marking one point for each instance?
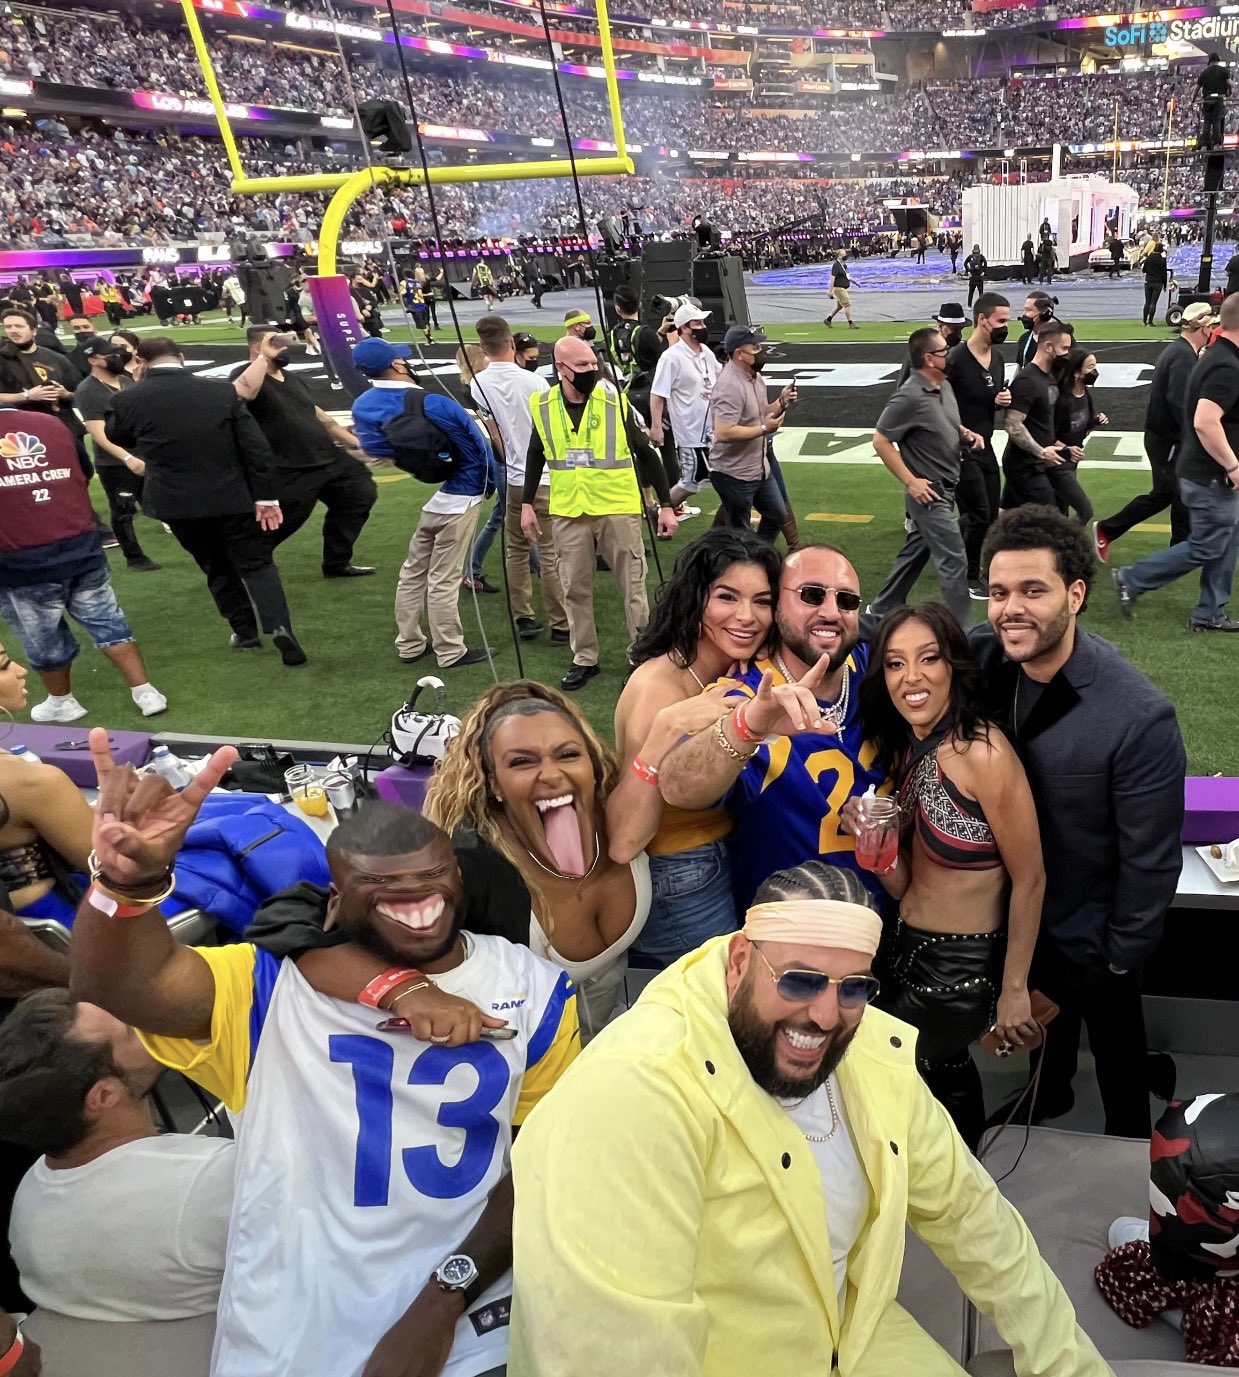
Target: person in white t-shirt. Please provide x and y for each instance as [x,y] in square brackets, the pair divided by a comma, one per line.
[115,1221]
[372,1225]
[502,396]
[680,395]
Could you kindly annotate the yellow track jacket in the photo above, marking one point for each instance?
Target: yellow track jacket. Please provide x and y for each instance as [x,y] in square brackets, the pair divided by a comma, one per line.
[670,1220]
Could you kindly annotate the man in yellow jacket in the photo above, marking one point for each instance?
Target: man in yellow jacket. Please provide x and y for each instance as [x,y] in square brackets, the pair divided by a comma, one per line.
[715,1190]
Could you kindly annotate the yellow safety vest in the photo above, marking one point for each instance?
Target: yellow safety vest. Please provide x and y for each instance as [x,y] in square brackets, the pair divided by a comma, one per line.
[591,468]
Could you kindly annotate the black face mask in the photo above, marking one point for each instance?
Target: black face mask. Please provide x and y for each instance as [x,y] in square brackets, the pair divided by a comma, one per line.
[952,337]
[1027,322]
[585,380]
[998,335]
[530,365]
[115,363]
[589,333]
[1090,379]
[700,335]
[281,358]
[759,363]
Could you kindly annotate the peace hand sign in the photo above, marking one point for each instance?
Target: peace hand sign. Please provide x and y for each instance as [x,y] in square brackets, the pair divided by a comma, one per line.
[140,821]
[790,708]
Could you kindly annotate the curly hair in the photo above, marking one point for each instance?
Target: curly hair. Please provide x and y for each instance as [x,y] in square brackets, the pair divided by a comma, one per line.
[885,725]
[675,624]
[1045,528]
[461,794]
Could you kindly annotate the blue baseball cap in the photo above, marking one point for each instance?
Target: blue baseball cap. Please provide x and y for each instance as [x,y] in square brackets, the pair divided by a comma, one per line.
[375,356]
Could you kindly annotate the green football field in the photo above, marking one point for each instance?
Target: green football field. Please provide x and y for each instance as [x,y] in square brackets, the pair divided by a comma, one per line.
[354,681]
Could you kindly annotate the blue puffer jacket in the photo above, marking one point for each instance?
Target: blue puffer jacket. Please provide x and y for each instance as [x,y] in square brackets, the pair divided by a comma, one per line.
[242,850]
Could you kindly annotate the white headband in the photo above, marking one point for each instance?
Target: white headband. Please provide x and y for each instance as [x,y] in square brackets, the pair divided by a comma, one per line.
[815,923]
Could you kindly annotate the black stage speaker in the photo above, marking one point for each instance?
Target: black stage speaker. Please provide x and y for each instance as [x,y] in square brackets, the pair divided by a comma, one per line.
[666,270]
[718,283]
[613,273]
[1215,170]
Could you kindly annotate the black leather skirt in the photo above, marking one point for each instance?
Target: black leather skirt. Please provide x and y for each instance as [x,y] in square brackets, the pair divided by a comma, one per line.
[945,984]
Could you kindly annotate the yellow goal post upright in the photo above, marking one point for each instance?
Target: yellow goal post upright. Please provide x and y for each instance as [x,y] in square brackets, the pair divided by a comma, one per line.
[337,321]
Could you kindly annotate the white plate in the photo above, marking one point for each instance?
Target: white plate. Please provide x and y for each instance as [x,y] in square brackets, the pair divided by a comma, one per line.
[1226,874]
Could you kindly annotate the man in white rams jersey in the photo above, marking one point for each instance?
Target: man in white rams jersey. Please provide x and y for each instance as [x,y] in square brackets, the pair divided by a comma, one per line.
[371,1234]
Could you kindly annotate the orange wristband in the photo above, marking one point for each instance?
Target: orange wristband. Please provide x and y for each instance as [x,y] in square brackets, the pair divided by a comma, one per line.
[9,1360]
[647,774]
[384,984]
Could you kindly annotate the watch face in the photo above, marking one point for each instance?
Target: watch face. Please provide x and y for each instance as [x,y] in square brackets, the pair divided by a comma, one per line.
[458,1271]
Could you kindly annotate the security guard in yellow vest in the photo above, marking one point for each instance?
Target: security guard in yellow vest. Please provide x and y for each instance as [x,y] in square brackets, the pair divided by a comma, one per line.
[598,460]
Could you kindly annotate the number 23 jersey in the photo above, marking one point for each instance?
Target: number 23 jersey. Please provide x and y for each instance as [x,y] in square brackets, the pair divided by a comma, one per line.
[364,1158]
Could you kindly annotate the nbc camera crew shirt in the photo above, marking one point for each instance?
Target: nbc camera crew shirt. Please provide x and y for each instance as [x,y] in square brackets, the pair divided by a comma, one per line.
[924,422]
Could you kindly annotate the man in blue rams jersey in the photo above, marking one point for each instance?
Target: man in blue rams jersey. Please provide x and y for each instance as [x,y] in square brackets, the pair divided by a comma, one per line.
[372,1223]
[798,753]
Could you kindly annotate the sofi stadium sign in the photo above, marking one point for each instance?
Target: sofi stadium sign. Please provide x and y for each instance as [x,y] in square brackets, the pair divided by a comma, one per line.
[1210,29]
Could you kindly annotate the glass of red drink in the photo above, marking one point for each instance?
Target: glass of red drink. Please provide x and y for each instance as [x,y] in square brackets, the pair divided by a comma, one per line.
[877,837]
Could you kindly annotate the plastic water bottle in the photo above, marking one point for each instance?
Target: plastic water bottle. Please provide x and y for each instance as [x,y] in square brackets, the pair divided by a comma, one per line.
[171,767]
[25,753]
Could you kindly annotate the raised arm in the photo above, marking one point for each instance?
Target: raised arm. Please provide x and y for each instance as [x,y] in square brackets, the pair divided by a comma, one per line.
[132,966]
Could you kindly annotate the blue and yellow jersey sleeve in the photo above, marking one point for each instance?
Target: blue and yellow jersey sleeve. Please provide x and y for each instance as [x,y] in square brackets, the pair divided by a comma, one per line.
[554,1046]
[245,977]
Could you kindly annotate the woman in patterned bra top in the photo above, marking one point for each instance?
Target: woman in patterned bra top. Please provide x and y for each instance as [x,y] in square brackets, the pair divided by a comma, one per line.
[969,878]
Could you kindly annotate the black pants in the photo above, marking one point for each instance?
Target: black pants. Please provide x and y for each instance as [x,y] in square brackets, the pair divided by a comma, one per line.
[1028,271]
[234,553]
[116,313]
[1213,122]
[1152,291]
[1109,1007]
[1163,494]
[345,488]
[977,500]
[433,307]
[122,489]
[1069,494]
[739,498]
[976,285]
[1027,481]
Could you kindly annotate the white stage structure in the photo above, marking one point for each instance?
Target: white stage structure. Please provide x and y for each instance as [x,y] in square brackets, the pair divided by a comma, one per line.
[1000,218]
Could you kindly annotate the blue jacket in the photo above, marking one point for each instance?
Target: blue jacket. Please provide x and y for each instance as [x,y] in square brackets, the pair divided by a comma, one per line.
[242,850]
[476,475]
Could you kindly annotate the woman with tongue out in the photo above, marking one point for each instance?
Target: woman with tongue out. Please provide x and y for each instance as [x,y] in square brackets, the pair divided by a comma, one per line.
[528,775]
[715,612]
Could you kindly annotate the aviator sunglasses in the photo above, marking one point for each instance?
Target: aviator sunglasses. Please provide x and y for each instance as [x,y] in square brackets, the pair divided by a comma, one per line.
[800,987]
[815,594]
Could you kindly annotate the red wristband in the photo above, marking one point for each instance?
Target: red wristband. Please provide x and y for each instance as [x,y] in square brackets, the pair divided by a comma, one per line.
[9,1360]
[384,984]
[647,774]
[741,727]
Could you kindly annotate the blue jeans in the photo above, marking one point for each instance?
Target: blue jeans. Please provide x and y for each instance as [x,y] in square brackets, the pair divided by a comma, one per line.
[740,496]
[40,612]
[692,902]
[1210,547]
[486,536]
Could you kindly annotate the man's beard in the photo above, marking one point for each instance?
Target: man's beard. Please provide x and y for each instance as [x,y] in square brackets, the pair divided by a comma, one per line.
[755,1041]
[368,933]
[804,650]
[1048,637]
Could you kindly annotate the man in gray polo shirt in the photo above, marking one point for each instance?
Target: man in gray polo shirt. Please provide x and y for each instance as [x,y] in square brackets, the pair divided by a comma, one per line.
[918,439]
[742,420]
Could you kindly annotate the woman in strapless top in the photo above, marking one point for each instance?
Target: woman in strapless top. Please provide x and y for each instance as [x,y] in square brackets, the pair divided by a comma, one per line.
[969,878]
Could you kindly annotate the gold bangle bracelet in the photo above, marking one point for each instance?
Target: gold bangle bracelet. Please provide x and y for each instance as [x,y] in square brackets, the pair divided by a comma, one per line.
[421,985]
[727,748]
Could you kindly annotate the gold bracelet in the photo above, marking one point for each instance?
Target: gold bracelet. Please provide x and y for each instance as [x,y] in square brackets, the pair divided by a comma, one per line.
[421,985]
[123,894]
[727,748]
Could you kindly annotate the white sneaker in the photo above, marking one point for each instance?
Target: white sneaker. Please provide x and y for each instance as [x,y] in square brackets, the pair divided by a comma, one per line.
[68,710]
[151,701]
[685,513]
[1127,1229]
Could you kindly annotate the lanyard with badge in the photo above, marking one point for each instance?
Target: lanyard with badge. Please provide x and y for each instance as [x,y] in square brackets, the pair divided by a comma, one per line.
[578,456]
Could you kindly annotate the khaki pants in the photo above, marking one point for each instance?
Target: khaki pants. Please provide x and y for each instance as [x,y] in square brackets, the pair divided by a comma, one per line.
[520,581]
[618,540]
[432,573]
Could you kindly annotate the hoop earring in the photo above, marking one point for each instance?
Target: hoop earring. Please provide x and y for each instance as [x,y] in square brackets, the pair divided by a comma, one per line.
[11,724]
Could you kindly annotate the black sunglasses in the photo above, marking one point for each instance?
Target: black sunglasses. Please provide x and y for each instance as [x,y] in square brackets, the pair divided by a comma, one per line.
[802,987]
[814,595]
